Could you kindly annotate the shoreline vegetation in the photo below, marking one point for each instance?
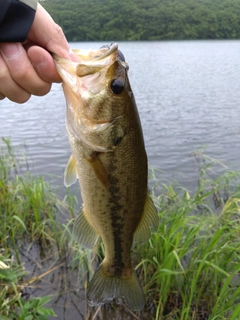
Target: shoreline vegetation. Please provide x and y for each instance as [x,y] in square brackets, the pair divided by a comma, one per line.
[133,20]
[189,269]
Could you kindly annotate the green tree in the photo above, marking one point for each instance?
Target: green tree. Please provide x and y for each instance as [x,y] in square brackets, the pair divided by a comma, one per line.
[111,20]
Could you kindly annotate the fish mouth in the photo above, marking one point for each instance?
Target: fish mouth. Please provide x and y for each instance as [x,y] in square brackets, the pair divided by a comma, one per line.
[96,60]
[97,57]
[90,61]
[110,49]
[105,55]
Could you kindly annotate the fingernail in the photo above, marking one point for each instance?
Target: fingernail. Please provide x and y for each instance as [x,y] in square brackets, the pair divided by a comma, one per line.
[10,50]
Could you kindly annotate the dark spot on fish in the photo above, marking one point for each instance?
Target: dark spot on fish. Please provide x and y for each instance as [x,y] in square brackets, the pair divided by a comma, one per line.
[117,223]
[117,140]
[114,190]
[117,86]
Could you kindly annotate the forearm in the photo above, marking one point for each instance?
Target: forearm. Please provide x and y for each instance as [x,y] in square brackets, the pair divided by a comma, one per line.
[16,18]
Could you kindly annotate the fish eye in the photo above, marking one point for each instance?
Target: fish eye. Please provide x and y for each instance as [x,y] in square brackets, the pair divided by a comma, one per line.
[121,56]
[117,86]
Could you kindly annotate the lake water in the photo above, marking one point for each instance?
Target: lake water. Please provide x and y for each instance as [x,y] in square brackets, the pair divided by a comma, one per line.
[187,93]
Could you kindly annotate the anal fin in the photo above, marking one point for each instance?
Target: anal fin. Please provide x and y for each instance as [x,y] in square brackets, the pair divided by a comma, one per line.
[83,232]
[149,219]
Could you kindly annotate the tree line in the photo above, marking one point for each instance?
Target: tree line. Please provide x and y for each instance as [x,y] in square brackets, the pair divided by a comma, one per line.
[114,20]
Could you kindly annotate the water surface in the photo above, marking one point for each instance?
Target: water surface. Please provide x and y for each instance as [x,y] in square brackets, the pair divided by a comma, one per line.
[187,93]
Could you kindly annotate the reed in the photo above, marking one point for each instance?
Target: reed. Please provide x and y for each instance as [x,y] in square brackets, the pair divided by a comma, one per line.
[27,215]
[189,269]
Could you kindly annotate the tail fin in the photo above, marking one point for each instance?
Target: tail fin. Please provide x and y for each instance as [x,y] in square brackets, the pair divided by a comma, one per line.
[103,289]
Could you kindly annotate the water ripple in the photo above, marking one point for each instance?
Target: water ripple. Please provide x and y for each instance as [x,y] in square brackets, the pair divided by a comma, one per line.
[187,94]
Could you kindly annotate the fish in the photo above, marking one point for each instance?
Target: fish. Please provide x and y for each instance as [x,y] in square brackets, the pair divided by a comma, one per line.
[110,161]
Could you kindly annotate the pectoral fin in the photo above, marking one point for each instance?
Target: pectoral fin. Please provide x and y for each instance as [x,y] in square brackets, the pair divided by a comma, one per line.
[99,169]
[83,232]
[70,173]
[119,134]
[149,219]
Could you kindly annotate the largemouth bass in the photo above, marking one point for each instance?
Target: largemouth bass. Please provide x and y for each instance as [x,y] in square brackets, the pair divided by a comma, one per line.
[110,161]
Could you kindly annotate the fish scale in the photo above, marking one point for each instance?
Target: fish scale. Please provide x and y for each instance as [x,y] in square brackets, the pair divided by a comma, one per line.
[110,162]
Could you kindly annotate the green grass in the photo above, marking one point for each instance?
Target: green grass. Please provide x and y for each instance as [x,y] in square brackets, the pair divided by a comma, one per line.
[189,269]
[12,305]
[25,203]
[27,215]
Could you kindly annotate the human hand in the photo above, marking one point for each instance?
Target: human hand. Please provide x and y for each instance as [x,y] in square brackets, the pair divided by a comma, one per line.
[29,68]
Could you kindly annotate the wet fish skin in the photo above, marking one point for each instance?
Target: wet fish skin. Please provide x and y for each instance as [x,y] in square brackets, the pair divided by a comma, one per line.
[110,161]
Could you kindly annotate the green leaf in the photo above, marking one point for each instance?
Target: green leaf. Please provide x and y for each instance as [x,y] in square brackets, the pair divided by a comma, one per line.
[45,311]
[3,318]
[43,300]
[20,221]
[167,271]
[214,266]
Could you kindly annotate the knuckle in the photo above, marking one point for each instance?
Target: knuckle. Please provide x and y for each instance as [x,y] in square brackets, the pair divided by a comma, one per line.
[4,75]
[59,30]
[22,74]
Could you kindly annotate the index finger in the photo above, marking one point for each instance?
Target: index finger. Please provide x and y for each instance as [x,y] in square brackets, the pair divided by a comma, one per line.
[43,64]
